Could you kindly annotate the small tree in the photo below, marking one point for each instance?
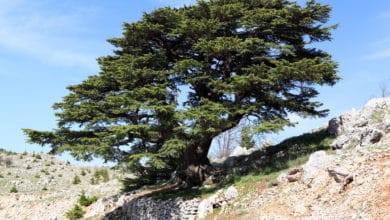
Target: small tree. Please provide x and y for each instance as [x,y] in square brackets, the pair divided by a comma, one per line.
[384,89]
[247,138]
[76,180]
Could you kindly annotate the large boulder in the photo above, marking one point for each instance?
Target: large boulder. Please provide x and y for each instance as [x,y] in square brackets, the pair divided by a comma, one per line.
[361,128]
[318,161]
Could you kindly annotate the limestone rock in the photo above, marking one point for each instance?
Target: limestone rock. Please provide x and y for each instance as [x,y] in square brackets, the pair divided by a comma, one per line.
[231,193]
[334,127]
[318,161]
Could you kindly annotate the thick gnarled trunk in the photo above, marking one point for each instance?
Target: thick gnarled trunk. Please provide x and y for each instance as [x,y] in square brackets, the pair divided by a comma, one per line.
[194,165]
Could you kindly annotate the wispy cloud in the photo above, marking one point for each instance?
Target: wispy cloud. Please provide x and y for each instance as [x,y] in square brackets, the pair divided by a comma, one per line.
[379,55]
[47,35]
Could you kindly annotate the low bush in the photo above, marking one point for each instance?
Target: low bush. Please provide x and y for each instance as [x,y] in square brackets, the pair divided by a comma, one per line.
[76,180]
[14,189]
[86,201]
[75,213]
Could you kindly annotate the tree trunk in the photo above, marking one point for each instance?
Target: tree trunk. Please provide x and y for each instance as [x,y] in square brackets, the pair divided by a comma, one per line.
[194,165]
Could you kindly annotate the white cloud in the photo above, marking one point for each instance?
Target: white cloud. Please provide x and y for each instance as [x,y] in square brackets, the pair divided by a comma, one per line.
[47,35]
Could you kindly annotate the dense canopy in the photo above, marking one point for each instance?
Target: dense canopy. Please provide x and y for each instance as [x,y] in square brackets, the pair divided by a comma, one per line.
[181,76]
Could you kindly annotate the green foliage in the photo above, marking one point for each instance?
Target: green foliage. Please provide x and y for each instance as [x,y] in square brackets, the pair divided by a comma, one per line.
[83,173]
[76,180]
[94,181]
[86,201]
[14,189]
[28,167]
[247,138]
[44,188]
[378,116]
[238,59]
[101,174]
[45,172]
[75,213]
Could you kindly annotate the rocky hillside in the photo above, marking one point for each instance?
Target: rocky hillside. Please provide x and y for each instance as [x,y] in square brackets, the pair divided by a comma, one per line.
[341,171]
[39,186]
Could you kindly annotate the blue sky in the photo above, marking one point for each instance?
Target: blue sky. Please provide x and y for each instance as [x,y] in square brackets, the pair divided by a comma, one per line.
[46,45]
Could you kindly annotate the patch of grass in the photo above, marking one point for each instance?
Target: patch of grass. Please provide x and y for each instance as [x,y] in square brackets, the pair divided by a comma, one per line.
[290,153]
[75,213]
[378,116]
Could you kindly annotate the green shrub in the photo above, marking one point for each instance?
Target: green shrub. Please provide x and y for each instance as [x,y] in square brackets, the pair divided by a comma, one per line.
[102,174]
[14,190]
[44,188]
[76,180]
[93,181]
[86,201]
[45,172]
[83,173]
[38,156]
[28,167]
[75,213]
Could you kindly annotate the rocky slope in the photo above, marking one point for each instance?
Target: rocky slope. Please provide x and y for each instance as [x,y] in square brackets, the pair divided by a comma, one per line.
[350,182]
[39,186]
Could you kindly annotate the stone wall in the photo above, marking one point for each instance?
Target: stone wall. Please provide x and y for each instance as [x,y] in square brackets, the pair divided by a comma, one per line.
[147,208]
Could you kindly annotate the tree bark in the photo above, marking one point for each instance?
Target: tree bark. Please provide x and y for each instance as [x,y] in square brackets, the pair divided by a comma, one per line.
[194,165]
